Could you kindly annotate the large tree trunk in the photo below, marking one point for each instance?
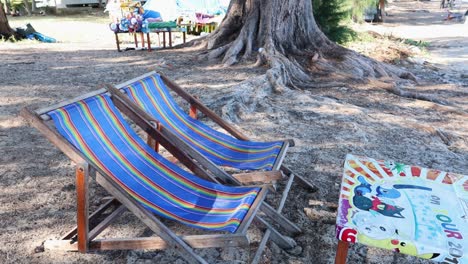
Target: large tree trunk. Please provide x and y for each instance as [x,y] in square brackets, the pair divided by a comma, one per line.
[283,34]
[5,30]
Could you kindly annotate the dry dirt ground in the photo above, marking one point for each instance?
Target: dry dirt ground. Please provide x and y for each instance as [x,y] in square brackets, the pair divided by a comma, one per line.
[37,199]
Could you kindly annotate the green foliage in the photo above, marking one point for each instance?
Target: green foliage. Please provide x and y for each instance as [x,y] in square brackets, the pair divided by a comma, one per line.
[417,43]
[17,4]
[331,15]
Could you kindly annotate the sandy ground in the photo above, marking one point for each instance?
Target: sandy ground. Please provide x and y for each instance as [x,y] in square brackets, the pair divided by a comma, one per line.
[37,184]
[426,21]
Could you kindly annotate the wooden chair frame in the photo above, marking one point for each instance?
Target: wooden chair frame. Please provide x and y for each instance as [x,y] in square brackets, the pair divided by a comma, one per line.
[82,238]
[341,252]
[196,104]
[130,108]
[199,164]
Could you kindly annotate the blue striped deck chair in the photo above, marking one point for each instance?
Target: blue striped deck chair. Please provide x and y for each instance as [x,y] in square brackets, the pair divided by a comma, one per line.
[151,92]
[94,134]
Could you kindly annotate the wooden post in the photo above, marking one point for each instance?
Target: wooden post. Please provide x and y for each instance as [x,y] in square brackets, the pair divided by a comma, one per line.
[164,39]
[156,143]
[149,41]
[117,41]
[341,252]
[82,175]
[184,36]
[382,9]
[142,38]
[135,39]
[150,141]
[153,142]
[170,38]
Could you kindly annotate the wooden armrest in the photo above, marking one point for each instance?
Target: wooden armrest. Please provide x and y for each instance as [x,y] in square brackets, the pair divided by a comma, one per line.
[259,176]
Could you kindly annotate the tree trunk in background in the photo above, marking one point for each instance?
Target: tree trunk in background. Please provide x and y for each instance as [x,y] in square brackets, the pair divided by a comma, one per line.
[382,9]
[33,6]
[284,35]
[27,7]
[7,7]
[5,30]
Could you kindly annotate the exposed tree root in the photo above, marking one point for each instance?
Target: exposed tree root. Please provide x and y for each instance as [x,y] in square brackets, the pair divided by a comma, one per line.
[284,36]
[321,216]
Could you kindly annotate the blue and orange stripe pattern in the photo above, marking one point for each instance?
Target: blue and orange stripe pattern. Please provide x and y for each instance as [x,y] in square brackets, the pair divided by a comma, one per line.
[152,95]
[98,130]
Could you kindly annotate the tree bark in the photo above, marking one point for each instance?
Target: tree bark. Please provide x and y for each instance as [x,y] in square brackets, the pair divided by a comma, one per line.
[7,7]
[27,7]
[33,6]
[284,35]
[5,30]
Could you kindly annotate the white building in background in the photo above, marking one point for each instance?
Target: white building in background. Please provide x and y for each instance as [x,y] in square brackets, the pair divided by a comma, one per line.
[168,6]
[61,4]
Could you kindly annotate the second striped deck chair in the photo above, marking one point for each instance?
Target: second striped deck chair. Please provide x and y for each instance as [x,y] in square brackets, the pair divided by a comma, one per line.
[151,93]
[149,97]
[96,137]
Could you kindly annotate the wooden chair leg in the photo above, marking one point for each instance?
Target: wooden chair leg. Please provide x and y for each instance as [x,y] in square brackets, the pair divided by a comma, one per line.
[170,38]
[268,232]
[193,111]
[82,175]
[341,252]
[149,41]
[153,142]
[142,39]
[117,41]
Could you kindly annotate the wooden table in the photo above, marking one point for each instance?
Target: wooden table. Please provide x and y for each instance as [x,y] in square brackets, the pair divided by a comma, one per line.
[135,39]
[407,209]
[148,39]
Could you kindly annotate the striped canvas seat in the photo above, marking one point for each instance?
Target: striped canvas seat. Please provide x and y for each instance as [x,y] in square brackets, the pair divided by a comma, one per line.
[152,95]
[97,129]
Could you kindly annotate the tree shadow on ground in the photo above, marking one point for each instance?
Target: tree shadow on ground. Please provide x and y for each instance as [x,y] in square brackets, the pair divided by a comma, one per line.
[37,179]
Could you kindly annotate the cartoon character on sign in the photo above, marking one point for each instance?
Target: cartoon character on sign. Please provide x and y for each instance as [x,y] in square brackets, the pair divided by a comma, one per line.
[382,190]
[379,231]
[374,226]
[398,245]
[382,199]
[375,204]
[362,201]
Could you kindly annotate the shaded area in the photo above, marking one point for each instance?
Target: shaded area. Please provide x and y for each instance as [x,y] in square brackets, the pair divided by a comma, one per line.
[37,182]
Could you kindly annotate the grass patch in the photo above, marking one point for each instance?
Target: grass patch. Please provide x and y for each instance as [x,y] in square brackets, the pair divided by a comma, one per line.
[417,43]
